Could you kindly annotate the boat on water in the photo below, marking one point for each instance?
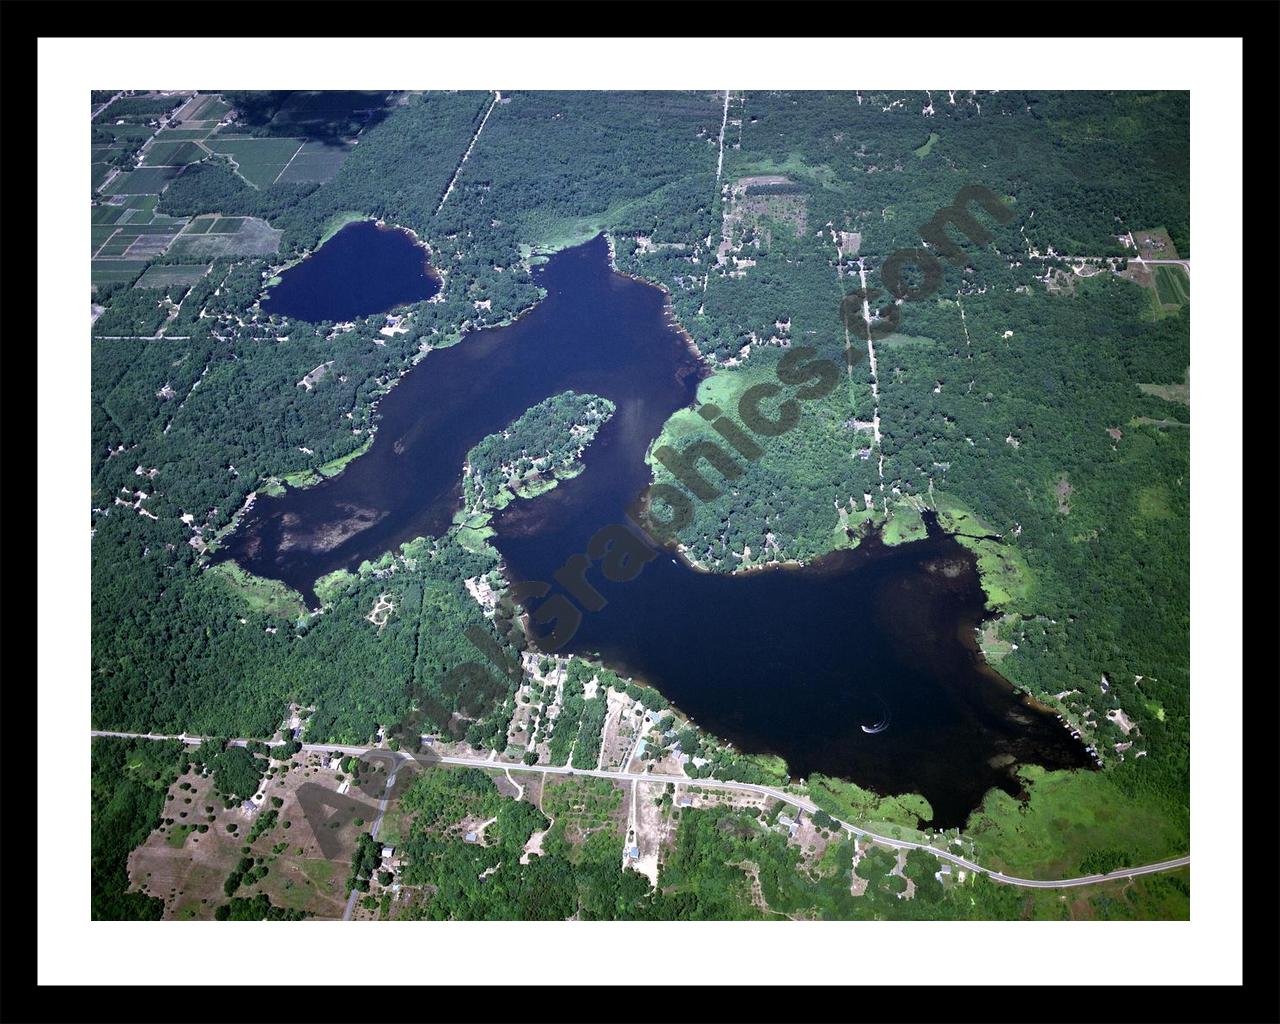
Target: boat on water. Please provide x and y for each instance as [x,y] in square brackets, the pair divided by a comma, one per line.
[880,726]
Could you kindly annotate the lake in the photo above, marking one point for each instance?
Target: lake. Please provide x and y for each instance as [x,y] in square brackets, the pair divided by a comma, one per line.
[793,662]
[362,269]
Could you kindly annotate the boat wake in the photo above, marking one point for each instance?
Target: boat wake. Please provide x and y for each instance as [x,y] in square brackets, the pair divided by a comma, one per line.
[882,724]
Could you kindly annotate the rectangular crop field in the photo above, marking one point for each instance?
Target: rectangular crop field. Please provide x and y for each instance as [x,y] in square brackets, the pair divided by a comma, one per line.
[208,108]
[106,214]
[147,246]
[143,181]
[255,238]
[117,245]
[227,225]
[1172,286]
[259,161]
[113,271]
[183,134]
[316,161]
[200,225]
[98,234]
[137,202]
[178,273]
[172,153]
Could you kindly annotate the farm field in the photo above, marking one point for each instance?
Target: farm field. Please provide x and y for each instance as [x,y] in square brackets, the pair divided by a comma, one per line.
[252,237]
[171,153]
[114,271]
[1173,288]
[142,181]
[316,161]
[177,273]
[259,161]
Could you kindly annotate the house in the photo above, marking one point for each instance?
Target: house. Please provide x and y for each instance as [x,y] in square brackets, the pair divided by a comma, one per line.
[470,837]
[388,851]
[634,853]
[942,872]
[249,806]
[686,802]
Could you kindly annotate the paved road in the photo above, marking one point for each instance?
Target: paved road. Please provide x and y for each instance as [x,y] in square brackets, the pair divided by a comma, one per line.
[746,787]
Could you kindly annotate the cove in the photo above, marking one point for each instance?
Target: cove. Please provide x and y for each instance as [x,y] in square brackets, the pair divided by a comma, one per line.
[362,269]
[862,665]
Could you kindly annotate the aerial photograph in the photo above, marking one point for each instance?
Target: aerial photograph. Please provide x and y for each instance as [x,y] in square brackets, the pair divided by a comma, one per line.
[605,505]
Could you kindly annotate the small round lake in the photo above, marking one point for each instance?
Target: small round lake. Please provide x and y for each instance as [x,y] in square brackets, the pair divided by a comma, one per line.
[363,269]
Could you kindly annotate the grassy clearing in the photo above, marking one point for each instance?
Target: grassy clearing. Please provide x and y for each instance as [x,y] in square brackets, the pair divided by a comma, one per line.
[327,588]
[1171,392]
[472,530]
[339,221]
[1069,817]
[856,805]
[336,466]
[1005,575]
[270,597]
[794,167]
[1173,287]
[927,148]
[903,525]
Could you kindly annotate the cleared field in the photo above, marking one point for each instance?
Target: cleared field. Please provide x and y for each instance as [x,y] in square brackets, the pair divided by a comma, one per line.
[207,108]
[128,135]
[227,225]
[1172,286]
[137,202]
[178,273]
[255,238]
[143,181]
[116,245]
[259,161]
[188,868]
[183,134]
[149,246]
[98,234]
[114,271]
[316,161]
[172,153]
[106,214]
[156,227]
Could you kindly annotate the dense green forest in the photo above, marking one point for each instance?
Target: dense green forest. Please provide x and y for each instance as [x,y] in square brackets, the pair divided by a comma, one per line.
[1009,400]
[543,444]
[126,798]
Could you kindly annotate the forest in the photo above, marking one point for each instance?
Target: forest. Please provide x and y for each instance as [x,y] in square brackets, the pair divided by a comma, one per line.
[1029,411]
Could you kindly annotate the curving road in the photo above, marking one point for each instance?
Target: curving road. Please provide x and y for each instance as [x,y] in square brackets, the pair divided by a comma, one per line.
[778,794]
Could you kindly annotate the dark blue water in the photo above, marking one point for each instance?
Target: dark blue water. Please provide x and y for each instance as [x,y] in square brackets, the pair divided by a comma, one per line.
[794,662]
[363,269]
